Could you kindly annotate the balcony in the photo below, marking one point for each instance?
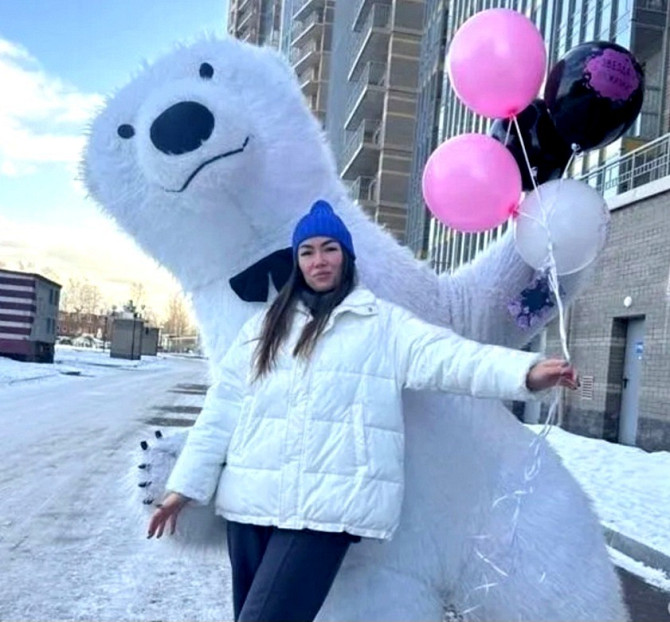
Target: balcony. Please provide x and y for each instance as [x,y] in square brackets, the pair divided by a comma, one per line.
[362,11]
[249,37]
[646,164]
[305,57]
[647,124]
[360,156]
[660,6]
[245,20]
[371,43]
[366,100]
[309,81]
[311,28]
[364,190]
[302,8]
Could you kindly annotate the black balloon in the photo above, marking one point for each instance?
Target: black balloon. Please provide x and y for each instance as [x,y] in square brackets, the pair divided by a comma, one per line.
[594,93]
[547,153]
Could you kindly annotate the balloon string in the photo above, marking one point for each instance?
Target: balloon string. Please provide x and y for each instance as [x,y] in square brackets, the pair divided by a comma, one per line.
[552,272]
[525,155]
[534,461]
[509,130]
[555,287]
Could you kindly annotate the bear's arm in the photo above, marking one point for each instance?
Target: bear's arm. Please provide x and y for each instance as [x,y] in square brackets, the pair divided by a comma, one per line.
[486,300]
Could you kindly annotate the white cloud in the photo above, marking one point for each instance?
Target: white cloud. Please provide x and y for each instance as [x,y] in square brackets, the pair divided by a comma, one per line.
[42,119]
[95,250]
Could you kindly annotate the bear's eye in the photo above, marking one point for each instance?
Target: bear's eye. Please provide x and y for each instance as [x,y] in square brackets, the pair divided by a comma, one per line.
[126,131]
[206,71]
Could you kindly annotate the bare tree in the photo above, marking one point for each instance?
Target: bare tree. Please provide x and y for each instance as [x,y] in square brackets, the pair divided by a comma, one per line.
[81,296]
[30,266]
[138,293]
[177,318]
[150,317]
[26,266]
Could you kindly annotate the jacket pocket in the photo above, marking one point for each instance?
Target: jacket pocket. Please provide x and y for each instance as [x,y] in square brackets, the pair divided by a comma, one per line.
[360,444]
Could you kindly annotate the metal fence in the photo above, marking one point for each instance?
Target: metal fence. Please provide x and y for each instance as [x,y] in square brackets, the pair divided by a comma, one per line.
[379,17]
[297,54]
[364,188]
[374,74]
[632,170]
[367,132]
[300,27]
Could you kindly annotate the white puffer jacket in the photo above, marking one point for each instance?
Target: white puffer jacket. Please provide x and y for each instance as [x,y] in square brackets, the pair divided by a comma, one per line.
[320,444]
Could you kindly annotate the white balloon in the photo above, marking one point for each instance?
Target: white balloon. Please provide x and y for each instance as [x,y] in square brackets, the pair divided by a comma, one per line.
[568,213]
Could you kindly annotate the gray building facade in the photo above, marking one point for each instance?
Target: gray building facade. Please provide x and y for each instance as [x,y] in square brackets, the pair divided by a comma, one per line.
[255,21]
[28,316]
[371,108]
[309,38]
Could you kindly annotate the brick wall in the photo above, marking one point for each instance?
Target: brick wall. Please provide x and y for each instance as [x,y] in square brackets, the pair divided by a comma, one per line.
[636,263]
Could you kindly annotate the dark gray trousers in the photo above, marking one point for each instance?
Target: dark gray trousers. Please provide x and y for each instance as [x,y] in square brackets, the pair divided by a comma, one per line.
[282,575]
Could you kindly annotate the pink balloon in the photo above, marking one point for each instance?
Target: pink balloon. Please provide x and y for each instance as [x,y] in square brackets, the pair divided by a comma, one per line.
[472,183]
[497,62]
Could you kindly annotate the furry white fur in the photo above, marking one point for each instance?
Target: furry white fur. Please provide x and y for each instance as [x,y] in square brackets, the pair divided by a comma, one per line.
[460,550]
[198,527]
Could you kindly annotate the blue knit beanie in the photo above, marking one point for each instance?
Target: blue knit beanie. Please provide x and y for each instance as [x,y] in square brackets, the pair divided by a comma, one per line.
[322,221]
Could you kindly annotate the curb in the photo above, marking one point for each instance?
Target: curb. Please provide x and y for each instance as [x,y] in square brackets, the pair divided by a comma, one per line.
[636,550]
[14,381]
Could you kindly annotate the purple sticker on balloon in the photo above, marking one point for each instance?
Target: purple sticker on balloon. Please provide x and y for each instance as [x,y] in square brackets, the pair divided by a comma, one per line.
[612,75]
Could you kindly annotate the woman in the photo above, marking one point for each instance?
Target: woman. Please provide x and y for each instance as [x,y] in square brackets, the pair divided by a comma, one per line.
[307,418]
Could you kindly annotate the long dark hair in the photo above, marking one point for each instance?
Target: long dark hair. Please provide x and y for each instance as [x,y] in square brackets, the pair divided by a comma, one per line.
[278,319]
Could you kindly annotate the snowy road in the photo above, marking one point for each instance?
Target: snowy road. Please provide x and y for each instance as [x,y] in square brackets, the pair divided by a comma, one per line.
[69,551]
[66,549]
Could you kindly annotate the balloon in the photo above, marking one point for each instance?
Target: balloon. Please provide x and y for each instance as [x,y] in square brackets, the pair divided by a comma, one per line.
[576,218]
[594,93]
[471,183]
[497,62]
[547,152]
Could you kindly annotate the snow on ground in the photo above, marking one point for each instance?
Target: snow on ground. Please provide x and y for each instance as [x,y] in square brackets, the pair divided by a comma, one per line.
[72,543]
[630,487]
[69,360]
[652,576]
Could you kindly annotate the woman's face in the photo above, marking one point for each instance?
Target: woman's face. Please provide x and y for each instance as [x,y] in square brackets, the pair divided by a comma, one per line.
[320,261]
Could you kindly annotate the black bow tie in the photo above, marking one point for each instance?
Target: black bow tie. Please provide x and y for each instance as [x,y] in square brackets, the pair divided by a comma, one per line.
[253,284]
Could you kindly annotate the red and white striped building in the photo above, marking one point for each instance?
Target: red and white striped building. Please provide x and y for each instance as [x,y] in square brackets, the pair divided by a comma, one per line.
[28,316]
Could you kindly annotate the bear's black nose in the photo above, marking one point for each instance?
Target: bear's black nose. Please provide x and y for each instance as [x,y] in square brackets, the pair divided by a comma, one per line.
[182,128]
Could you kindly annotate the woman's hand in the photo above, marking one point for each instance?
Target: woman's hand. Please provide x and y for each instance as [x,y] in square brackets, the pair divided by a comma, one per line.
[167,512]
[552,373]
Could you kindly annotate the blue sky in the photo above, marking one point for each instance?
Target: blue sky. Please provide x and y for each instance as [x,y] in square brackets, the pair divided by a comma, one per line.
[58,59]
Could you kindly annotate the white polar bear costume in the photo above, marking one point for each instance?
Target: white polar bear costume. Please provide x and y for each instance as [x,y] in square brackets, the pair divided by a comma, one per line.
[208,158]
